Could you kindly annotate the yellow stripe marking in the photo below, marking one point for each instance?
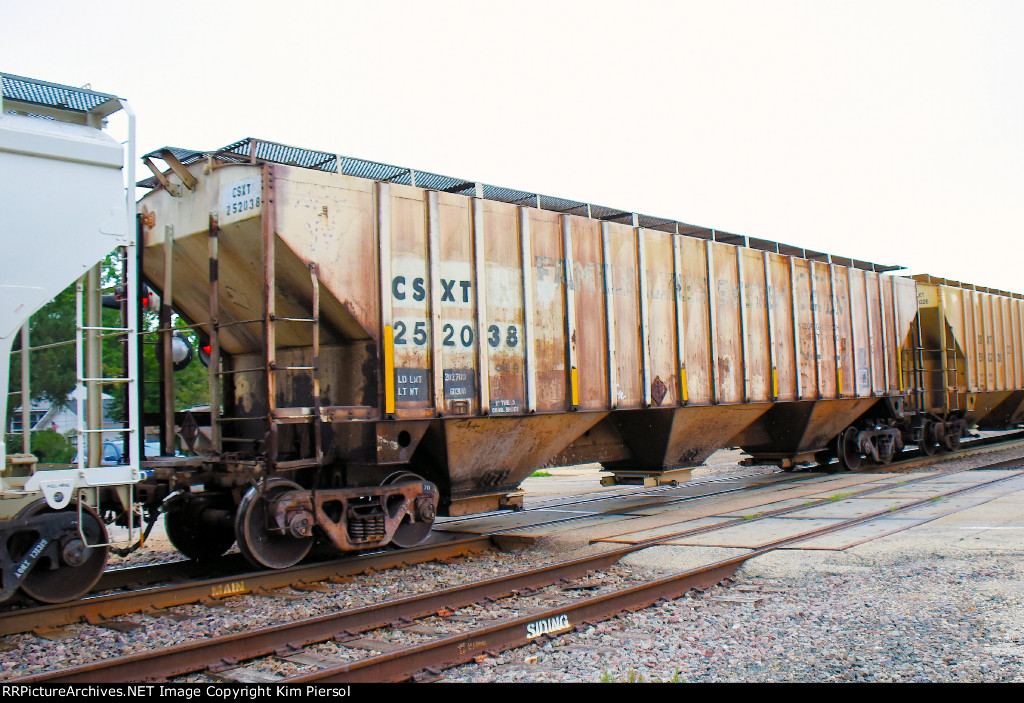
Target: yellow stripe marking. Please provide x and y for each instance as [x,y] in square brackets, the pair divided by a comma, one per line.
[682,384]
[775,383]
[389,369]
[575,383]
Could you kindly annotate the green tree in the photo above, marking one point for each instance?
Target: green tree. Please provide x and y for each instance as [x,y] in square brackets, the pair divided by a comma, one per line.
[53,369]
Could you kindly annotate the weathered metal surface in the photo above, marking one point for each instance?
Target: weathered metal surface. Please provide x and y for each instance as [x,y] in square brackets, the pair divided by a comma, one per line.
[355,518]
[492,456]
[660,440]
[800,427]
[442,307]
[971,352]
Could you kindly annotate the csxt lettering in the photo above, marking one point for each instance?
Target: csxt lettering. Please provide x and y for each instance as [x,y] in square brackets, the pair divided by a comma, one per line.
[452,290]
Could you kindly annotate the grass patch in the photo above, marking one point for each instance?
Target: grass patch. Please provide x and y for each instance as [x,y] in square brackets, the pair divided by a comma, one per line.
[839,496]
[633,676]
[539,474]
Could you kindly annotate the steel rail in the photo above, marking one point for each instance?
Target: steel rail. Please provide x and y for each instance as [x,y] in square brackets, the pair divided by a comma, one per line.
[97,609]
[169,571]
[463,647]
[101,608]
[230,569]
[290,637]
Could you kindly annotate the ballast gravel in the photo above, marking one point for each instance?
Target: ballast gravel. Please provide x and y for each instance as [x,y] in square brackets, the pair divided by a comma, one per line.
[917,620]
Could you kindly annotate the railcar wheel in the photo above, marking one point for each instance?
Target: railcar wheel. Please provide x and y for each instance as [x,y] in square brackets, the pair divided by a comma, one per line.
[78,566]
[951,442]
[195,539]
[848,449]
[928,445]
[409,533]
[259,539]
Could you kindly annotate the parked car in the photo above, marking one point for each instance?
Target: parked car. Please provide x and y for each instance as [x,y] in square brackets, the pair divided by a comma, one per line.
[113,454]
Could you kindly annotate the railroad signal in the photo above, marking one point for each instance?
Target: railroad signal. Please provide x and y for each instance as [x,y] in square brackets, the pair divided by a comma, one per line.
[182,351]
[204,354]
[149,299]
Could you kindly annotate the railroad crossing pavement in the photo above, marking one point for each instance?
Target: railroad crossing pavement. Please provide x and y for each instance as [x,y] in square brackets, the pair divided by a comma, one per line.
[988,520]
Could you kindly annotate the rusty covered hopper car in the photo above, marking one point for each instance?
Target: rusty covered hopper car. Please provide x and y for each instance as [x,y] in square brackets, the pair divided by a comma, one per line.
[969,359]
[405,343]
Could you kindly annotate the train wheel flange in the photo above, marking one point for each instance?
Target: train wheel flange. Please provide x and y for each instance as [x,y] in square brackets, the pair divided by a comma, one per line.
[410,533]
[928,445]
[258,538]
[848,449]
[79,565]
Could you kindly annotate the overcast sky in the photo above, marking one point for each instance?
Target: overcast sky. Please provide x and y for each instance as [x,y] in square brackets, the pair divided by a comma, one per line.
[888,131]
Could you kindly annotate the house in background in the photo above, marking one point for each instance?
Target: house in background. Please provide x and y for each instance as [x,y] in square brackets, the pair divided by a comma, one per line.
[61,418]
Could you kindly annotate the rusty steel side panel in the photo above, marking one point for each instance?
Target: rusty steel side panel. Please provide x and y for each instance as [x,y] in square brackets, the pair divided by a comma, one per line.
[548,281]
[661,317]
[825,329]
[981,328]
[503,278]
[989,340]
[327,219]
[695,303]
[725,284]
[626,304]
[1010,351]
[1009,358]
[889,358]
[842,333]
[591,321]
[410,293]
[876,339]
[863,334]
[972,356]
[808,359]
[458,351]
[758,369]
[998,343]
[1017,352]
[859,350]
[905,313]
[786,360]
